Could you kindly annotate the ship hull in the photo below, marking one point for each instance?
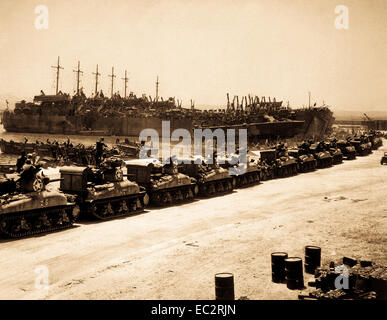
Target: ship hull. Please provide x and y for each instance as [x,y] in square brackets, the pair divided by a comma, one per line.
[120,126]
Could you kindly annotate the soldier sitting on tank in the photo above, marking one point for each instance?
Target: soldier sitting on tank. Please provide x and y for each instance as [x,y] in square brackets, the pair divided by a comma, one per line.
[170,166]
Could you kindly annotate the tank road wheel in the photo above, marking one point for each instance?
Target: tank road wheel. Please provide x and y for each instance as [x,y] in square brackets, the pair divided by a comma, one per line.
[63,218]
[219,187]
[166,198]
[156,199]
[123,208]
[244,180]
[230,186]
[21,226]
[211,189]
[75,212]
[43,221]
[178,196]
[92,209]
[234,182]
[107,210]
[145,200]
[187,194]
[138,203]
[132,205]
[295,171]
[194,190]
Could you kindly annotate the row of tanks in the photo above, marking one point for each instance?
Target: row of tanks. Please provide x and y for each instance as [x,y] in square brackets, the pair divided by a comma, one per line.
[29,206]
[281,161]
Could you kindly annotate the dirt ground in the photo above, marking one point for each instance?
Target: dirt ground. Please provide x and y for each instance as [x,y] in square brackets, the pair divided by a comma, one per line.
[173,253]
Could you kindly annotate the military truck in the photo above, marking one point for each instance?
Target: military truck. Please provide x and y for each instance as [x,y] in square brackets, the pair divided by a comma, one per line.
[28,207]
[102,192]
[163,182]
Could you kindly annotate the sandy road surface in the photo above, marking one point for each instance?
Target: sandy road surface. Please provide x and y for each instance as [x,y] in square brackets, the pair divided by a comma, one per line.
[173,253]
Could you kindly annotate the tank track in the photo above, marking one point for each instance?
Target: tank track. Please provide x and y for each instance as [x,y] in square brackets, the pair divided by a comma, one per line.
[337,159]
[28,223]
[350,156]
[247,179]
[286,171]
[111,208]
[165,197]
[324,163]
[307,166]
[216,187]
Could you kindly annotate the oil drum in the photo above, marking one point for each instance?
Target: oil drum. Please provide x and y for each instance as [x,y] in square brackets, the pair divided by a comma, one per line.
[312,258]
[224,286]
[278,266]
[294,273]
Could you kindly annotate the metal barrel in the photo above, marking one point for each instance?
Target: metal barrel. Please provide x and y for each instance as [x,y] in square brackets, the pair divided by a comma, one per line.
[294,273]
[224,286]
[278,266]
[312,258]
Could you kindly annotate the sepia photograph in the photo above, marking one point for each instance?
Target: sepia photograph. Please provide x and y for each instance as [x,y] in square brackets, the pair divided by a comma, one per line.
[200,152]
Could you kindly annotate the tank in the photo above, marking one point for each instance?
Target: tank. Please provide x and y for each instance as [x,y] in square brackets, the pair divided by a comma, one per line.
[286,165]
[27,207]
[267,164]
[101,192]
[337,155]
[283,164]
[251,174]
[163,182]
[305,160]
[361,146]
[347,149]
[211,179]
[323,157]
[375,140]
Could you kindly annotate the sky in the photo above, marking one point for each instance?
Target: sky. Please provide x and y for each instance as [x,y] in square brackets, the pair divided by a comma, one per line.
[201,49]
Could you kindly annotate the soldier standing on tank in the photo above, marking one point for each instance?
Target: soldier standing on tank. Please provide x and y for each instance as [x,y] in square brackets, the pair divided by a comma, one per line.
[99,150]
[20,162]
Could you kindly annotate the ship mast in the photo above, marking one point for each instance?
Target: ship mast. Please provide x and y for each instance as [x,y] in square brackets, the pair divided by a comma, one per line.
[126,83]
[112,76]
[96,80]
[57,67]
[157,88]
[309,98]
[78,71]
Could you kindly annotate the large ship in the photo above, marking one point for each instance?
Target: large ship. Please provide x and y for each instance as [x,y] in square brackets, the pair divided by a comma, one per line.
[129,115]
